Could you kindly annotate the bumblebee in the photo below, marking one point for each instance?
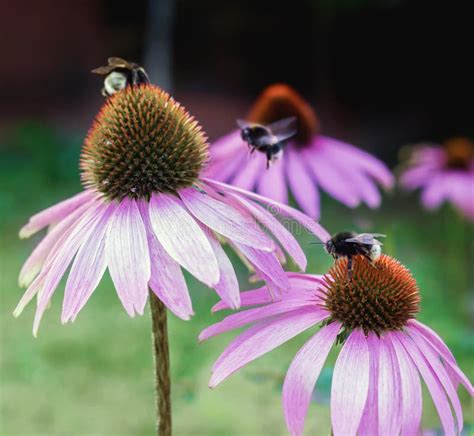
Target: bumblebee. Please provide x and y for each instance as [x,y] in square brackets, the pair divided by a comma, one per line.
[349,244]
[119,74]
[268,139]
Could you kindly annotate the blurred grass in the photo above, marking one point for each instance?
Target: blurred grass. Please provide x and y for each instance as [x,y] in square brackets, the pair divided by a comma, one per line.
[94,377]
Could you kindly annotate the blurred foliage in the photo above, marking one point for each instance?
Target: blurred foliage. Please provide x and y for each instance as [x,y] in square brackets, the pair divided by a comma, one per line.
[94,377]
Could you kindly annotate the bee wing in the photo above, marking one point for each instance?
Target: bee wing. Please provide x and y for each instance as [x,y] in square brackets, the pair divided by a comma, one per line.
[113,63]
[367,238]
[284,128]
[116,62]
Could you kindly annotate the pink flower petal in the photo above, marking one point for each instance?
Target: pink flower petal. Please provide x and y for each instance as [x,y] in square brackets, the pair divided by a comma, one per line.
[225,219]
[247,298]
[87,269]
[35,261]
[127,255]
[228,286]
[302,185]
[272,183]
[183,239]
[303,374]
[166,279]
[251,346]
[331,178]
[388,390]
[226,168]
[265,264]
[279,208]
[369,423]
[441,374]
[244,317]
[350,384]
[358,157]
[361,185]
[252,169]
[444,352]
[432,382]
[411,404]
[285,237]
[62,257]
[55,213]
[227,145]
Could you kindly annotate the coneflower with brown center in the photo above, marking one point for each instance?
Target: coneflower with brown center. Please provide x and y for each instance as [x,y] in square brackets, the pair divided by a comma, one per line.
[376,387]
[146,213]
[443,173]
[310,161]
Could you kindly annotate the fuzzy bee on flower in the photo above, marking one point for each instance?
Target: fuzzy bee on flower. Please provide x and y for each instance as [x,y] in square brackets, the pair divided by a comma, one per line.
[350,244]
[119,74]
[269,139]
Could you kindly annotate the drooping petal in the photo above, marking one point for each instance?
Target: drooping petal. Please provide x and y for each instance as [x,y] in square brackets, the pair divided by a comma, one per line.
[247,298]
[67,247]
[358,157]
[128,258]
[285,237]
[227,145]
[279,208]
[388,390]
[331,178]
[183,239]
[434,386]
[166,278]
[369,423]
[228,286]
[411,404]
[266,264]
[440,373]
[272,183]
[303,186]
[350,385]
[303,374]
[444,352]
[244,317]
[250,173]
[36,260]
[55,213]
[251,346]
[87,269]
[225,219]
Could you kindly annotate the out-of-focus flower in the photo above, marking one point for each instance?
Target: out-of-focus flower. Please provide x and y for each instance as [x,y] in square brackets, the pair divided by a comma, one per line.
[146,213]
[443,173]
[376,386]
[310,161]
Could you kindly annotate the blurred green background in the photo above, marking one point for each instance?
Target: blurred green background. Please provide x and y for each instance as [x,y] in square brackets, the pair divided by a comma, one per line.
[95,377]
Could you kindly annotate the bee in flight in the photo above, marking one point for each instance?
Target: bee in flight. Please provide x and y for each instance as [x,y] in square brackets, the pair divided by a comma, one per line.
[349,244]
[119,73]
[268,139]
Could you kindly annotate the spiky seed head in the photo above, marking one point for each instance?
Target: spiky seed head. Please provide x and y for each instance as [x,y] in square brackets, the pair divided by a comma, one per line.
[281,101]
[459,152]
[142,141]
[380,297]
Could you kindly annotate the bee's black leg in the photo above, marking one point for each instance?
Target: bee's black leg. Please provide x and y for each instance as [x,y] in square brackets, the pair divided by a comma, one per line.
[349,268]
[269,156]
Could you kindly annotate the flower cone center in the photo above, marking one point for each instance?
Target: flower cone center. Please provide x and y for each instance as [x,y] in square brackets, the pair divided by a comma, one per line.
[379,297]
[460,152]
[281,101]
[142,141]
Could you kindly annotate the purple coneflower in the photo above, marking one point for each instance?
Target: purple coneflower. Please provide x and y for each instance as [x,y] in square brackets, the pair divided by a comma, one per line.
[146,213]
[443,173]
[376,386]
[310,161]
